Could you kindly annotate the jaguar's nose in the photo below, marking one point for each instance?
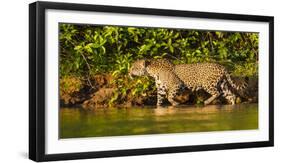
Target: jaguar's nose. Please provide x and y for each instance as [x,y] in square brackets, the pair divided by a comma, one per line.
[130,76]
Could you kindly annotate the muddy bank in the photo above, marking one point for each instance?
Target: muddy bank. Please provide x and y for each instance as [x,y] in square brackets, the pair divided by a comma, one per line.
[102,91]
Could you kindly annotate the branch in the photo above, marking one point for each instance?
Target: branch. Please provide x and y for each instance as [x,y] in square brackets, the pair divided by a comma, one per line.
[89,67]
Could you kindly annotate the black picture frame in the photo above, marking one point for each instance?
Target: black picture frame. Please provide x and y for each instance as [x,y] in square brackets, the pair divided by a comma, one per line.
[37,80]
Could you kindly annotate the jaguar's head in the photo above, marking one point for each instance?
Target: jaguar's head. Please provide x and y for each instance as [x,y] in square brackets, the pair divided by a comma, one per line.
[138,68]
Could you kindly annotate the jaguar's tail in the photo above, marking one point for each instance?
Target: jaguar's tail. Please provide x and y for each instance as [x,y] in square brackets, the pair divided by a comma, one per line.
[241,86]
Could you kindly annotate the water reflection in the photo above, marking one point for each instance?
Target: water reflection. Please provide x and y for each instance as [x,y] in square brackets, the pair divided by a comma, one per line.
[76,122]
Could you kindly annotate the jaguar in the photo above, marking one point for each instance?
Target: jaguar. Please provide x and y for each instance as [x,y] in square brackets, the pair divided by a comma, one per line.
[212,78]
[171,80]
[167,82]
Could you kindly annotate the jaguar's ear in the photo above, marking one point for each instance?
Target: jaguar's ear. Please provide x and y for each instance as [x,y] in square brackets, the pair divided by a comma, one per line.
[146,62]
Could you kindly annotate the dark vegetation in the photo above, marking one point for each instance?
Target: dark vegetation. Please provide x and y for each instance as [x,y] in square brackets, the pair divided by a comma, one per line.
[94,60]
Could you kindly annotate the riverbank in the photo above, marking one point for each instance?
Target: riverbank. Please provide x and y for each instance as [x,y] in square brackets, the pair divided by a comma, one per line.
[101,91]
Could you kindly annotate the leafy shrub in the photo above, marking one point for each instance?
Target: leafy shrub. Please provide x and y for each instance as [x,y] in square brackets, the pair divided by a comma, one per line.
[69,86]
[87,50]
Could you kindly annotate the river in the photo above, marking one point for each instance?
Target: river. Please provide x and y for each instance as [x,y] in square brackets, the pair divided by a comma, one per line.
[78,122]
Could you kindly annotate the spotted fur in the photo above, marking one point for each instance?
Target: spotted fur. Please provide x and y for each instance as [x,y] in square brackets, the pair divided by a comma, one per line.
[211,77]
[167,83]
[170,79]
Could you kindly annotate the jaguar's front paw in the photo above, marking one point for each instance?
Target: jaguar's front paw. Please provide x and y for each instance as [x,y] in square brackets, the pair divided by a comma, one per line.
[175,103]
[159,103]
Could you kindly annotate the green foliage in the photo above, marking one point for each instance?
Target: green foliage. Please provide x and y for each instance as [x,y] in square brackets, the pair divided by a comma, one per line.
[69,85]
[87,50]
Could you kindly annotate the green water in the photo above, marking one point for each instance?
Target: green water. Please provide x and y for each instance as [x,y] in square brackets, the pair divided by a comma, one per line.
[77,122]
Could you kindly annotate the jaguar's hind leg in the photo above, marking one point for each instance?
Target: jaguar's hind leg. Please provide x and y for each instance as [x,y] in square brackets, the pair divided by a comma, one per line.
[215,94]
[227,93]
